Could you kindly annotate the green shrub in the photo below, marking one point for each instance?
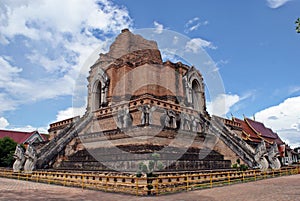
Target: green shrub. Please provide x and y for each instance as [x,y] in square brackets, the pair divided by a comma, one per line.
[155,156]
[151,166]
[235,166]
[160,166]
[7,149]
[138,174]
[144,168]
[243,167]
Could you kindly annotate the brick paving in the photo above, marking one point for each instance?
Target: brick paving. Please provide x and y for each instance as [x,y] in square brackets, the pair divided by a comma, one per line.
[275,189]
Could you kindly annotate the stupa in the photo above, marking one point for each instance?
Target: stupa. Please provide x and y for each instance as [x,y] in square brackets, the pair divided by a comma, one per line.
[142,108]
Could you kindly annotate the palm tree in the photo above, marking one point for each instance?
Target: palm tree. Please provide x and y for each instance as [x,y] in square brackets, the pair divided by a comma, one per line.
[298,25]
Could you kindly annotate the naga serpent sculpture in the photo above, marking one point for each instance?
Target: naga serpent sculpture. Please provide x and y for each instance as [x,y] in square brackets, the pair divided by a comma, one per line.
[259,157]
[20,159]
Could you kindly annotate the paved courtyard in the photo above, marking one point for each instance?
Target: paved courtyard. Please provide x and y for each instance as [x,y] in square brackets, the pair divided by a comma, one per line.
[282,188]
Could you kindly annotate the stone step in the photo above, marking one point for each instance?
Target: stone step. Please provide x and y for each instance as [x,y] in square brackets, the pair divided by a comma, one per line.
[237,145]
[50,151]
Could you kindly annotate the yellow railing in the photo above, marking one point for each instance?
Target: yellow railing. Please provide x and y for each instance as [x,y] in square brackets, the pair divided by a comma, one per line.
[161,184]
[167,184]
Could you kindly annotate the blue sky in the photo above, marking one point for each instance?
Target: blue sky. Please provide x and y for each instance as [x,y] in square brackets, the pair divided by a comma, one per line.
[43,45]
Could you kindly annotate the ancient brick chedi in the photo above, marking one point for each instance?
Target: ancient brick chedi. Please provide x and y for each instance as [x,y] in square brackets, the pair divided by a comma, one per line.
[139,105]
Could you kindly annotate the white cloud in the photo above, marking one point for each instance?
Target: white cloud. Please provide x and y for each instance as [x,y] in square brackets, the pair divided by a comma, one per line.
[222,62]
[195,44]
[50,65]
[58,38]
[283,118]
[194,24]
[290,137]
[221,105]
[37,20]
[3,123]
[7,103]
[8,79]
[158,27]
[276,3]
[29,128]
[7,71]
[70,112]
[17,90]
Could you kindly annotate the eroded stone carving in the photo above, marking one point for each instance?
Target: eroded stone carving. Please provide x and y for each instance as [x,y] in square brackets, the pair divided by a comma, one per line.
[169,119]
[104,89]
[20,159]
[195,123]
[31,159]
[147,111]
[259,156]
[188,89]
[124,118]
[185,121]
[273,157]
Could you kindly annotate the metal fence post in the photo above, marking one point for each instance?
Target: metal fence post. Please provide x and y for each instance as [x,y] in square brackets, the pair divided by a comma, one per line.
[156,186]
[106,184]
[279,172]
[243,176]
[187,183]
[82,181]
[229,178]
[64,183]
[48,180]
[137,185]
[37,177]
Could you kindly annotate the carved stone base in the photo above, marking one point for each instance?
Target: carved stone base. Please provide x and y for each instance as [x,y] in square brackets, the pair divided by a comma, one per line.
[191,160]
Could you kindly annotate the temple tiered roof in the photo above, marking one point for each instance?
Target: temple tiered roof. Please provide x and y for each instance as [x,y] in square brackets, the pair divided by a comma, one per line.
[255,131]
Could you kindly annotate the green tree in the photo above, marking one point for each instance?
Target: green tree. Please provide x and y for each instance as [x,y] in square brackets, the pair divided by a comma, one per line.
[297,25]
[7,149]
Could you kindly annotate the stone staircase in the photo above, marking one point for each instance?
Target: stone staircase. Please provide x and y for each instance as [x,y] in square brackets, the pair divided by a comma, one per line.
[47,154]
[238,145]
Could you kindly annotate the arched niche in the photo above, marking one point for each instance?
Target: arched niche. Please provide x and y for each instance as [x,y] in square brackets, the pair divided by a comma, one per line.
[96,95]
[98,90]
[194,89]
[196,95]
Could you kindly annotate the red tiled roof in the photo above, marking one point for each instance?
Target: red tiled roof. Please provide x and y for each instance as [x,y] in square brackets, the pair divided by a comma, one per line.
[266,133]
[260,128]
[248,133]
[19,136]
[256,131]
